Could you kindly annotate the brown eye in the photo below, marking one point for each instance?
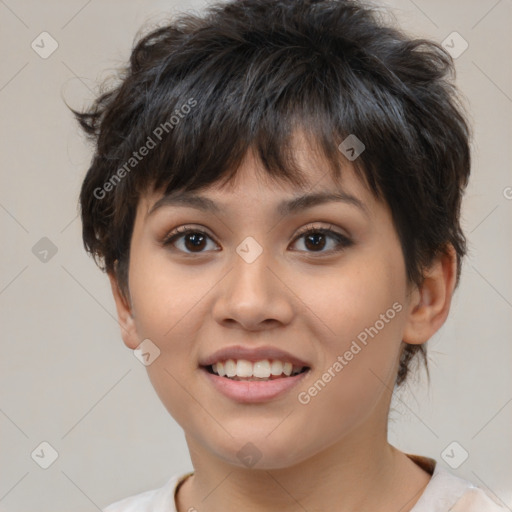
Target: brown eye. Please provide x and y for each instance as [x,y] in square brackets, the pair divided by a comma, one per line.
[191,240]
[195,241]
[316,239]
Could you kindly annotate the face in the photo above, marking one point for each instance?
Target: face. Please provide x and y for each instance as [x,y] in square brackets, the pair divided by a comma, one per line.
[319,289]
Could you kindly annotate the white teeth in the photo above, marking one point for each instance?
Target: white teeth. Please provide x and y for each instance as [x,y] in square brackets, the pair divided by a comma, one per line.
[230,368]
[276,368]
[243,368]
[263,369]
[220,369]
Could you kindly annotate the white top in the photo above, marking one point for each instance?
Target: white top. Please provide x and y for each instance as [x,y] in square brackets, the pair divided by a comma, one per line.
[445,492]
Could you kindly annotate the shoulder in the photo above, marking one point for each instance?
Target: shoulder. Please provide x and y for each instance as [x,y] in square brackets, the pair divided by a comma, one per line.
[476,499]
[447,492]
[156,500]
[139,502]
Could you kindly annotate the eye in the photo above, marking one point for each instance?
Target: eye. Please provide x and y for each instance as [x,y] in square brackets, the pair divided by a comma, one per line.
[194,239]
[316,239]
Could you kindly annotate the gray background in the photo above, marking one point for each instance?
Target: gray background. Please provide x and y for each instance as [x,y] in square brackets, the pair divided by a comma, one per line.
[66,377]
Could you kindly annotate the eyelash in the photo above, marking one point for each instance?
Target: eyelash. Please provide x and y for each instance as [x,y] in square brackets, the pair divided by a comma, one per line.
[342,241]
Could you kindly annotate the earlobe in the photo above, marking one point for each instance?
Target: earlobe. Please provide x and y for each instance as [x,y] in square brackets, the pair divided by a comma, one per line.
[125,316]
[432,300]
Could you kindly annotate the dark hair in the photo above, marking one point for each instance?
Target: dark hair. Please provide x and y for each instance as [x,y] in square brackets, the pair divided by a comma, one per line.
[246,74]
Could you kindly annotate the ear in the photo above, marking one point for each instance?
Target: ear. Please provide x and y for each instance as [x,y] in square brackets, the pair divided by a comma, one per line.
[124,314]
[430,302]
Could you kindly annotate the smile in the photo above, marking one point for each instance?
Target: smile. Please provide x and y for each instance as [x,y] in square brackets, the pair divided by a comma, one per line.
[253,374]
[262,370]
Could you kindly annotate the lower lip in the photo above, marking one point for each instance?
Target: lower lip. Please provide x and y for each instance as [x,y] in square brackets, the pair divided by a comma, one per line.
[253,391]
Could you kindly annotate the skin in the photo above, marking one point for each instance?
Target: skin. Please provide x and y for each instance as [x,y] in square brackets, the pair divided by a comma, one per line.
[310,302]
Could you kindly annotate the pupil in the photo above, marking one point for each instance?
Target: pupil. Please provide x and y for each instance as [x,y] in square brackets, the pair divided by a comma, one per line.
[317,240]
[196,240]
[314,237]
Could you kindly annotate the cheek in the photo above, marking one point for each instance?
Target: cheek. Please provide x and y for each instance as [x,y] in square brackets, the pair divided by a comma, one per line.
[358,296]
[359,314]
[168,311]
[163,296]
[356,381]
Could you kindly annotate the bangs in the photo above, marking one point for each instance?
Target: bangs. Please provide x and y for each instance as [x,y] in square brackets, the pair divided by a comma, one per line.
[204,117]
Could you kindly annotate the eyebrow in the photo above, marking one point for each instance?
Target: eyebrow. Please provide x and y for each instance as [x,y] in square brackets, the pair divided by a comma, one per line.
[286,207]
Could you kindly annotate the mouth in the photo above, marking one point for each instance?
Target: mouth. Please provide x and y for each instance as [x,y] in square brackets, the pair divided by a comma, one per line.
[258,371]
[253,375]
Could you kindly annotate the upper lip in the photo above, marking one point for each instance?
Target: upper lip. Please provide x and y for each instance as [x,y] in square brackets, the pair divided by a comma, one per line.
[252,354]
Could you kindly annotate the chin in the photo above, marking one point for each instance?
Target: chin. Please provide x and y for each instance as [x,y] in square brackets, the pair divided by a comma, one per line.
[260,452]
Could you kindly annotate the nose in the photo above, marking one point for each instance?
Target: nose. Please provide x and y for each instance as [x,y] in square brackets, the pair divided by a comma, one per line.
[254,296]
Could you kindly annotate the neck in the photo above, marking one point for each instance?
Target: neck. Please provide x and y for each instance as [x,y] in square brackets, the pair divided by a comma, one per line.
[361,473]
